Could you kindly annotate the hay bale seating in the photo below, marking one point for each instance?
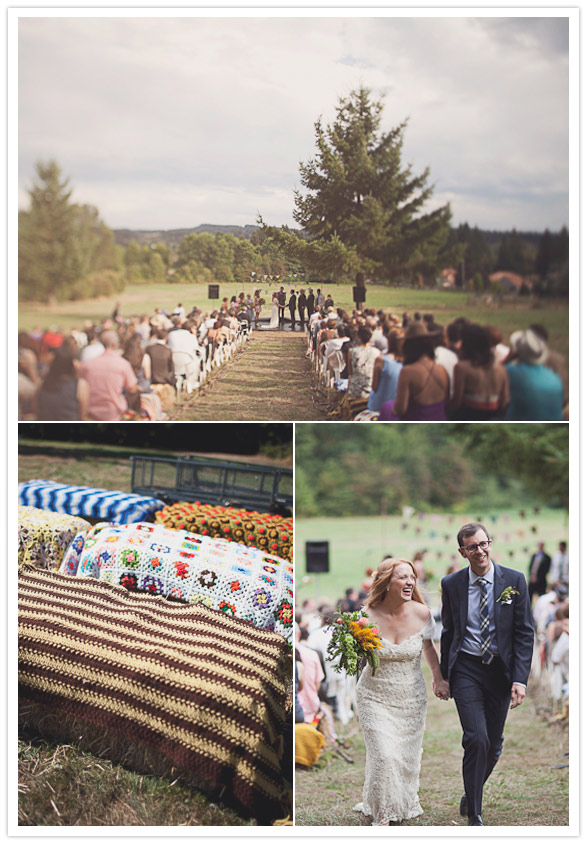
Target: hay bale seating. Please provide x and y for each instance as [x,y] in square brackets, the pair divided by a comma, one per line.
[241,581]
[44,536]
[184,689]
[270,532]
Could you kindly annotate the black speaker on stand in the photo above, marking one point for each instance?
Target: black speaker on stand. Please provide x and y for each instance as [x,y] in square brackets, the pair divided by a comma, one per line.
[317,560]
[213,292]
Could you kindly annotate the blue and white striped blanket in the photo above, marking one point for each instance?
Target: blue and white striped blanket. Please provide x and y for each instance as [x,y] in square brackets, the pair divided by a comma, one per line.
[115,506]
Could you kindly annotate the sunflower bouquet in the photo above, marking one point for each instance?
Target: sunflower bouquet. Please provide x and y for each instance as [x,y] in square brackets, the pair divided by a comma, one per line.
[354,640]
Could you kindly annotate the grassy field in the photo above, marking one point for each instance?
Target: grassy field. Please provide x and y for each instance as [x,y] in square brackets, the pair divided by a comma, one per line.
[361,542]
[446,305]
[525,789]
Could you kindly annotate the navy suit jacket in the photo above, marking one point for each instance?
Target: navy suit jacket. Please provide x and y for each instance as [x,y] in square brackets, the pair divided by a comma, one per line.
[513,623]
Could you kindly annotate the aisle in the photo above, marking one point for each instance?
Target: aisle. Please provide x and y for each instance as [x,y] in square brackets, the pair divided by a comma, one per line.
[524,790]
[269,379]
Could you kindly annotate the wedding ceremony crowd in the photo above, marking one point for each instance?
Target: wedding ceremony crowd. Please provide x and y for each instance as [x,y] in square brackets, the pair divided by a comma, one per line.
[388,367]
[127,368]
[385,367]
[326,700]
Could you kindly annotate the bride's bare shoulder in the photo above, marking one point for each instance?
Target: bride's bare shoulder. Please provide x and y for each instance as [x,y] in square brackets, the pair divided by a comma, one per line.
[421,611]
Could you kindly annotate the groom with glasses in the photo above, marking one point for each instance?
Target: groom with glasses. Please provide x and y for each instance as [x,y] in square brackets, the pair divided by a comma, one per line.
[485,654]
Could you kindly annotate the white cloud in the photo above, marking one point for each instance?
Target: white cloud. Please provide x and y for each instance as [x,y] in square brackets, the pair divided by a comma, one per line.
[171,122]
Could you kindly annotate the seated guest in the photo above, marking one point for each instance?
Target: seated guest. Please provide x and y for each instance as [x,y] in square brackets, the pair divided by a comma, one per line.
[62,395]
[442,354]
[481,388]
[554,361]
[423,385]
[108,376]
[500,350]
[386,372]
[162,372]
[536,392]
[93,348]
[361,359]
[141,365]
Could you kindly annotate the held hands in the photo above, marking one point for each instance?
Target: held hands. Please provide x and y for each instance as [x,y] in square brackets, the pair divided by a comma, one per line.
[518,695]
[441,689]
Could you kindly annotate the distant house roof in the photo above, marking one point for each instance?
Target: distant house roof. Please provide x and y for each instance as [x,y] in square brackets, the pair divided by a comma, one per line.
[511,280]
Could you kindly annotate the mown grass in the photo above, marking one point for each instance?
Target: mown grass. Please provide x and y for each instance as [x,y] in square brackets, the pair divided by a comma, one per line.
[108,473]
[523,790]
[359,542]
[446,305]
[269,379]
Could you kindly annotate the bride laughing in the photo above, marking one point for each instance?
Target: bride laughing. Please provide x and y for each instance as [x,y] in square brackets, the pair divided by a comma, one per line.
[391,704]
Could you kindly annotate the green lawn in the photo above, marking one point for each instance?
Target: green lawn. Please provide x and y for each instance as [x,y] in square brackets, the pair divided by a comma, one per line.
[361,542]
[445,305]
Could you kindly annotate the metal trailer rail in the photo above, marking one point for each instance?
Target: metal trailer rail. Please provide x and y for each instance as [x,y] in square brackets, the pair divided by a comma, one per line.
[255,487]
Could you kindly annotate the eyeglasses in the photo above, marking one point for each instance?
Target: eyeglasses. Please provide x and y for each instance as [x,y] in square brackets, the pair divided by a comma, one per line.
[473,547]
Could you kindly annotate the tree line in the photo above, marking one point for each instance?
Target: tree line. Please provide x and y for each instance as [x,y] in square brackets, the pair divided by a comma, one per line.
[364,470]
[362,212]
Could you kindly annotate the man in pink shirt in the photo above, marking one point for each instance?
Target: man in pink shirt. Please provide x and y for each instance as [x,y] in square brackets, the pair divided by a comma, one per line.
[108,375]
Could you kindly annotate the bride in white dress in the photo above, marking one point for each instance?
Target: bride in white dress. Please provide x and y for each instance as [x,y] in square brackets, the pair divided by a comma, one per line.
[391,704]
[274,322]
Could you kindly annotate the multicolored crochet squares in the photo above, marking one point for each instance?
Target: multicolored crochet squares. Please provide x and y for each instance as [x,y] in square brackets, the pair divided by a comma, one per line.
[244,582]
[43,536]
[269,532]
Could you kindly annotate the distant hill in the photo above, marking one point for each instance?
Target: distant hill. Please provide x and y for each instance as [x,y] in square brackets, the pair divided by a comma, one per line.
[173,237]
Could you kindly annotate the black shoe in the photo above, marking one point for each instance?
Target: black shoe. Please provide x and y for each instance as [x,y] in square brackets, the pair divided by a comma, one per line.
[464,808]
[475,820]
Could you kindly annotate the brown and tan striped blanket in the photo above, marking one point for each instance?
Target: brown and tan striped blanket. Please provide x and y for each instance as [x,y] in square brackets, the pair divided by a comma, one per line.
[205,691]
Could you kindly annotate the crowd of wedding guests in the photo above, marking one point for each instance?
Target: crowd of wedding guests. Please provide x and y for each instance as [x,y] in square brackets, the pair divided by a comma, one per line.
[125,368]
[388,367]
[548,585]
[324,695]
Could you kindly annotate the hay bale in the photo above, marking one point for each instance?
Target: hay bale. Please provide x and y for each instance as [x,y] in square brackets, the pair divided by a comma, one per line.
[167,688]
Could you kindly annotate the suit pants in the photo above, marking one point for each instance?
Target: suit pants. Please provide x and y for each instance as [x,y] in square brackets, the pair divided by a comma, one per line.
[301,313]
[482,694]
[292,314]
[281,315]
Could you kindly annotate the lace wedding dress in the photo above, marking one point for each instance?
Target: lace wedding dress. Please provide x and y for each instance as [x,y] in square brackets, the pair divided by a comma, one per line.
[274,322]
[391,707]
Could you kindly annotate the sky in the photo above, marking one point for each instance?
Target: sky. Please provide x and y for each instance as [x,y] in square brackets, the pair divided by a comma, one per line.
[172,122]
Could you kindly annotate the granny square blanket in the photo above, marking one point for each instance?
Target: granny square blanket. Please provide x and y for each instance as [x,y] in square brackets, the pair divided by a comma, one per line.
[270,532]
[241,581]
[43,536]
[88,502]
[205,691]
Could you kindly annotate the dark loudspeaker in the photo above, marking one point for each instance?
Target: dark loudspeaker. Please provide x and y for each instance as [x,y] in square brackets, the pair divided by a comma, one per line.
[359,294]
[213,292]
[317,557]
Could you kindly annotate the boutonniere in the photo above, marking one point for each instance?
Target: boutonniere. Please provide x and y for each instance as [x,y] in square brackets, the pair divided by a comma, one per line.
[507,595]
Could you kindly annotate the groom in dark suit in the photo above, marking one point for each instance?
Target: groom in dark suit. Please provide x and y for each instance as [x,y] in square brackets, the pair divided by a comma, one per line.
[485,654]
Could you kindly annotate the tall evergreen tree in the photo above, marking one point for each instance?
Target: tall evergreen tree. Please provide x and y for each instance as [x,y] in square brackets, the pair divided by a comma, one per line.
[59,243]
[359,191]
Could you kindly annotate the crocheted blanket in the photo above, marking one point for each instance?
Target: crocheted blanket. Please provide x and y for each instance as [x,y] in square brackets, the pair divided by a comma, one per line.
[270,532]
[206,691]
[241,581]
[94,503]
[43,536]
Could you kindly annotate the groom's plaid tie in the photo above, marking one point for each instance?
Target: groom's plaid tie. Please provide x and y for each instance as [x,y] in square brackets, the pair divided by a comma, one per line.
[486,655]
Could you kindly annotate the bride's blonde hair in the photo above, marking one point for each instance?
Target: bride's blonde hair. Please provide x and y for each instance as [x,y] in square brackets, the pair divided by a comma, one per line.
[382,577]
